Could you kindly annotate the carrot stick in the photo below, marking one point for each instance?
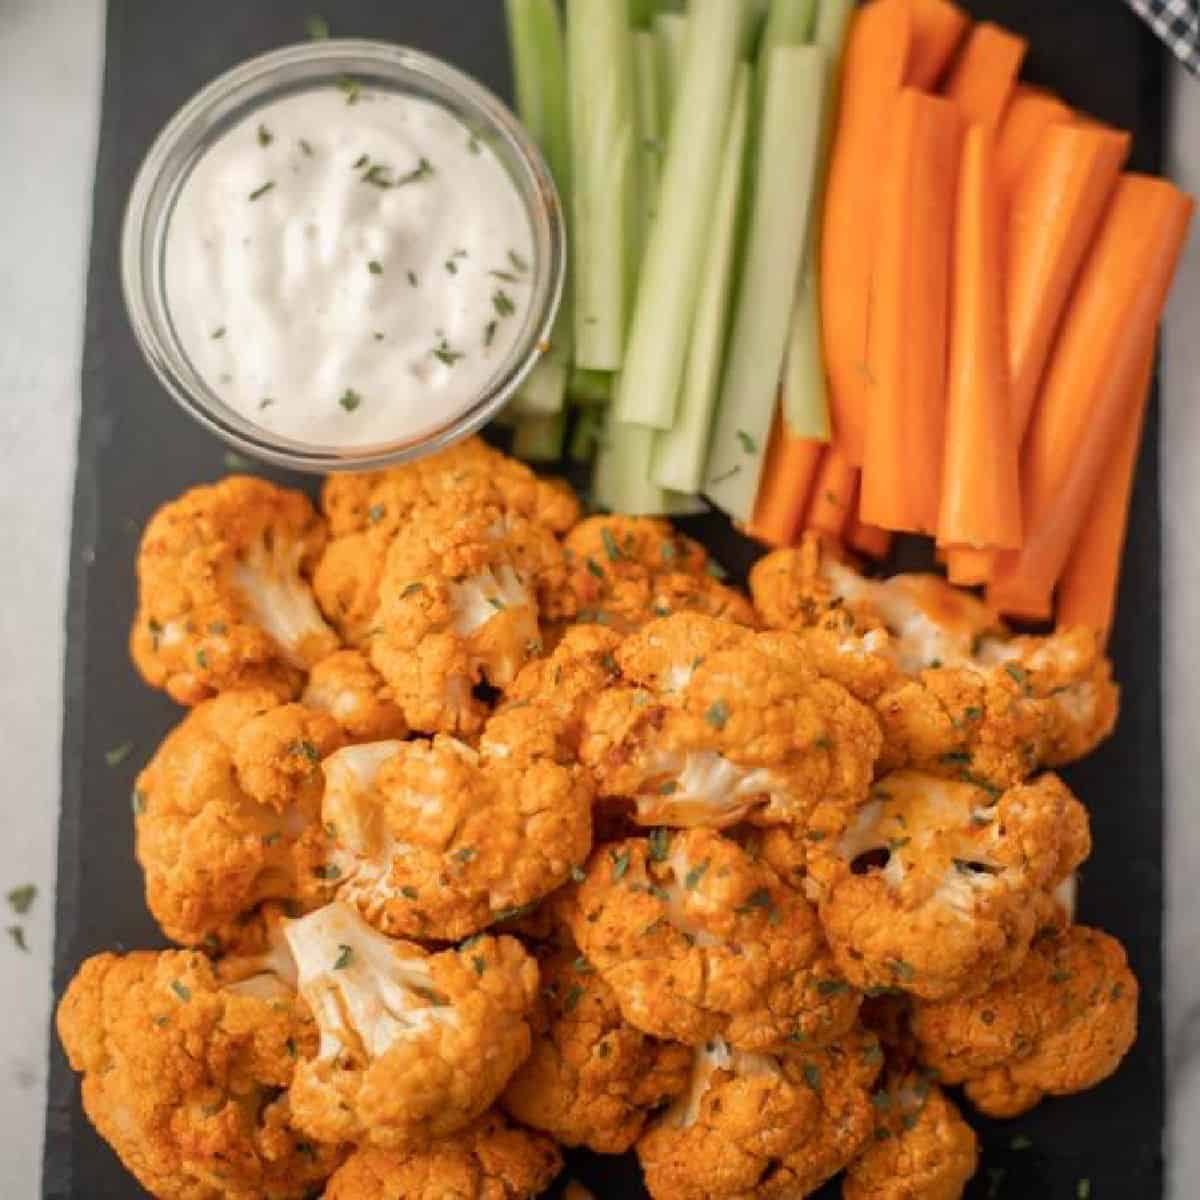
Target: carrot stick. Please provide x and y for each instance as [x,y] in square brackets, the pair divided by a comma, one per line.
[981,497]
[938,27]
[1029,113]
[1055,211]
[868,540]
[986,73]
[1090,383]
[1087,593]
[902,477]
[968,566]
[872,74]
[784,488]
[833,495]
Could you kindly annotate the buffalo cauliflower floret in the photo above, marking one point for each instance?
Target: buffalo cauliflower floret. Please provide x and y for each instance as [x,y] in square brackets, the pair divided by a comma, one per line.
[490,1161]
[227,813]
[922,1149]
[367,511]
[954,692]
[437,840]
[698,941]
[414,1046]
[455,611]
[624,571]
[592,1078]
[763,1127]
[1060,1025]
[715,724]
[934,886]
[353,693]
[224,594]
[187,1079]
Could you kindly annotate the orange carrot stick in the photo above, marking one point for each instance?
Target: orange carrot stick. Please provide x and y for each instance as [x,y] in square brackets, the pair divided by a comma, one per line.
[783,491]
[1087,593]
[969,566]
[1055,211]
[902,476]
[938,27]
[1030,111]
[872,74]
[983,79]
[833,495]
[981,497]
[868,540]
[1090,383]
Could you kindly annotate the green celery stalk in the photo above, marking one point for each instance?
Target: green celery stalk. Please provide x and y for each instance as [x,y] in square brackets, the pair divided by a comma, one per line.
[539,438]
[589,387]
[805,386]
[648,389]
[681,451]
[670,36]
[788,143]
[603,146]
[621,480]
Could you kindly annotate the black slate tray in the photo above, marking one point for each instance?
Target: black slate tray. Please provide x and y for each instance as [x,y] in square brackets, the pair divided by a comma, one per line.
[136,449]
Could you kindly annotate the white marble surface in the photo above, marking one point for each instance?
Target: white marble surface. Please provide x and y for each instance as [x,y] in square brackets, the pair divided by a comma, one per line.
[49,107]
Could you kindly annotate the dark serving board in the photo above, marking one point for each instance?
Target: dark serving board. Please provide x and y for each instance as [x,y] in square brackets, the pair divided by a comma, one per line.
[136,449]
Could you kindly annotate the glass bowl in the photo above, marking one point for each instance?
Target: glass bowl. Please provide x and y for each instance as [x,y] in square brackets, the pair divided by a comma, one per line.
[227,101]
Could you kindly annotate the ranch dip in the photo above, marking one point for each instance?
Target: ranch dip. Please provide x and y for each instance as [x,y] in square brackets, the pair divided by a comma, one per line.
[349,267]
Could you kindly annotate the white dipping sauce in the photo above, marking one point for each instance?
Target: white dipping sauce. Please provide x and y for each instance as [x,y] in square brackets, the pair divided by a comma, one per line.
[349,267]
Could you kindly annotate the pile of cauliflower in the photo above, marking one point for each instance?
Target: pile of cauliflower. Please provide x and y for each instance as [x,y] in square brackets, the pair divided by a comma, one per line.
[490,829]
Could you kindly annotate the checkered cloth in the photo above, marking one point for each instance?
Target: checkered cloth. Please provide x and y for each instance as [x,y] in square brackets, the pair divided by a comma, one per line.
[1177,22]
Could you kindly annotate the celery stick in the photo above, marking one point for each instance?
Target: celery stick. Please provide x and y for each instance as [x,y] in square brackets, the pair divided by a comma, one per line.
[621,481]
[805,386]
[648,389]
[788,141]
[589,387]
[539,439]
[670,35]
[602,118]
[680,453]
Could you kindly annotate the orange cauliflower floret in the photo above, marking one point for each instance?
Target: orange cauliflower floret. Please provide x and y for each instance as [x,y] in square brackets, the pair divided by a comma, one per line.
[414,1046]
[922,1149]
[366,511]
[437,840]
[490,1161]
[224,594]
[762,1127]
[954,691]
[936,886]
[186,1079]
[715,724]
[698,941]
[592,1077]
[353,693]
[1060,1025]
[624,571]
[455,611]
[227,811]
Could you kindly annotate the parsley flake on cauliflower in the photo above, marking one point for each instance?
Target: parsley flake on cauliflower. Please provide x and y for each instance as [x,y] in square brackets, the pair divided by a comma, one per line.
[922,1149]
[592,1078]
[224,593]
[227,813]
[491,1160]
[936,886]
[366,512]
[414,1045]
[436,840]
[955,693]
[763,1127]
[187,1078]
[714,724]
[699,941]
[1060,1025]
[353,693]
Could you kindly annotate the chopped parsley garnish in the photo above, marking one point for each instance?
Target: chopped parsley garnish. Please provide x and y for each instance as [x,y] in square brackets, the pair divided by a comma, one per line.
[235,462]
[18,936]
[316,27]
[714,568]
[581,966]
[511,914]
[306,147]
[759,898]
[181,990]
[118,754]
[422,170]
[518,262]
[345,954]
[572,998]
[138,802]
[692,879]
[265,136]
[20,899]
[832,987]
[496,603]
[668,787]
[473,144]
[350,88]
[328,871]
[412,278]
[899,843]
[611,549]
[748,444]
[822,743]
[816,835]
[444,354]
[1021,1142]
[290,1047]
[717,714]
[375,267]
[479,963]
[507,276]
[409,892]
[350,400]
[361,161]
[376,513]
[265,403]
[411,589]
[502,303]
[1017,674]
[881,1101]
[377,175]
[269,839]
[594,568]
[218,333]
[307,749]
[873,1054]
[577,874]
[262,189]
[620,865]
[465,855]
[812,1076]
[902,969]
